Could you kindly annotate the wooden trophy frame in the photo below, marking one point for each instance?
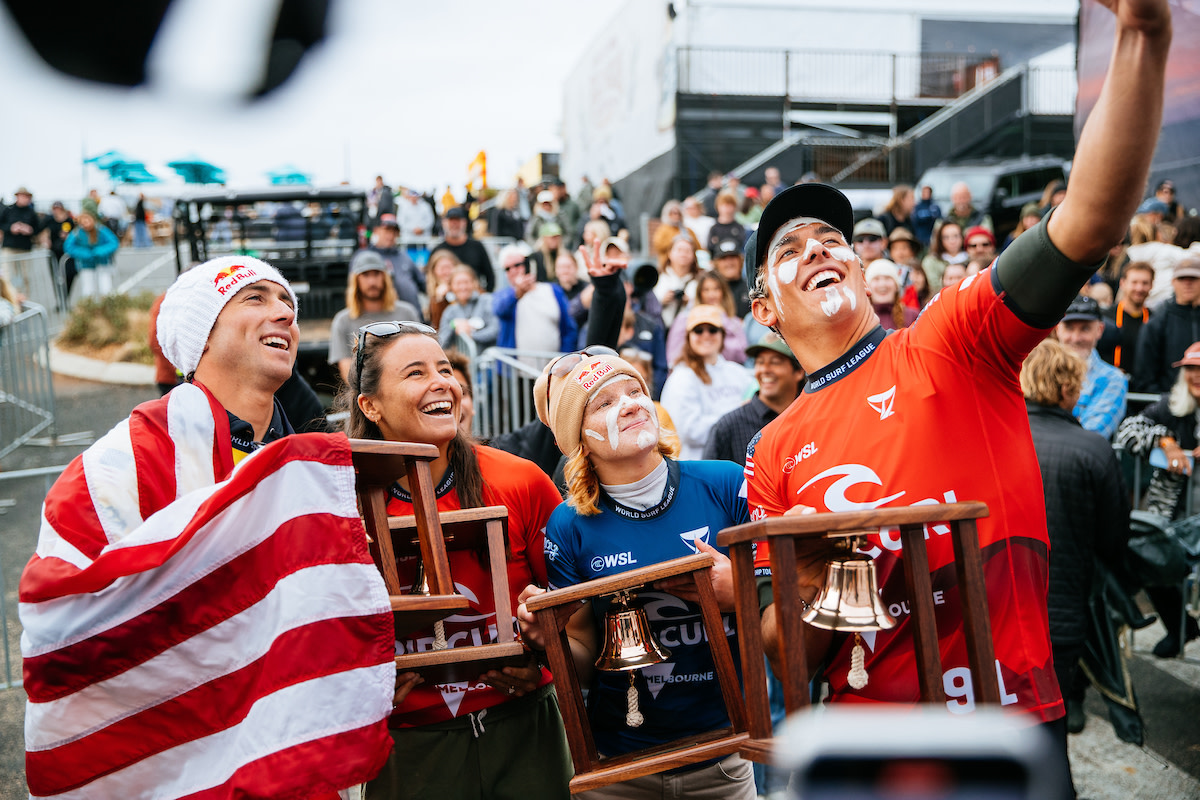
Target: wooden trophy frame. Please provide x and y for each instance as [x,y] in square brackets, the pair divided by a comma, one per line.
[553,610]
[432,534]
[783,532]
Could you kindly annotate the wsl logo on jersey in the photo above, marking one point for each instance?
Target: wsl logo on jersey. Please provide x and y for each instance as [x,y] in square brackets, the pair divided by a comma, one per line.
[612,560]
[790,463]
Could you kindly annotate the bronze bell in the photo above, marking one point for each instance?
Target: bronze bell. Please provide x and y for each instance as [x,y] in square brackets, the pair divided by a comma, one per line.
[420,581]
[628,641]
[849,600]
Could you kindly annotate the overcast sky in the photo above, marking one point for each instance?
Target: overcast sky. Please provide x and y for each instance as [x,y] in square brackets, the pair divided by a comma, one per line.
[410,91]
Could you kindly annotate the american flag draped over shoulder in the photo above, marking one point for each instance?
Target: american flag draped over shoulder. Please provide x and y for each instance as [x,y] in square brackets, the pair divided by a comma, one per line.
[197,631]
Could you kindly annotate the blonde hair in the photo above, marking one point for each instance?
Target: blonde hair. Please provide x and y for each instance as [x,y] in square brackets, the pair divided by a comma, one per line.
[1047,370]
[1180,401]
[583,485]
[354,297]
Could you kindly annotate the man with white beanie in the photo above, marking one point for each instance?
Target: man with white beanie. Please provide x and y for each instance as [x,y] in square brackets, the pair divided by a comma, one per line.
[174,569]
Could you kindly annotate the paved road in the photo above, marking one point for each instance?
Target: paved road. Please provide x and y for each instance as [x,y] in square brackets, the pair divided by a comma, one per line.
[1105,768]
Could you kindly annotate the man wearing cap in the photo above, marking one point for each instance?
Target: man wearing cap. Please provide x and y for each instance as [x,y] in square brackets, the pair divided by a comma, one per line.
[370,297]
[545,212]
[933,413]
[870,240]
[727,261]
[1101,403]
[468,250]
[407,277]
[780,379]
[19,224]
[1173,326]
[631,504]
[980,244]
[1164,191]
[903,247]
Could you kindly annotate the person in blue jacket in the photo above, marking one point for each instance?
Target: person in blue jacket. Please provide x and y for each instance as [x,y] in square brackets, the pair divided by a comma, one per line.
[631,504]
[534,315]
[92,247]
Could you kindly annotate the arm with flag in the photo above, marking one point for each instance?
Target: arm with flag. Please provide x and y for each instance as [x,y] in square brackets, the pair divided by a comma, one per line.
[196,630]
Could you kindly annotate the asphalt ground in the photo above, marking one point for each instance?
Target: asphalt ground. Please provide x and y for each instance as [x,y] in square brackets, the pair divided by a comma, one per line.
[1167,767]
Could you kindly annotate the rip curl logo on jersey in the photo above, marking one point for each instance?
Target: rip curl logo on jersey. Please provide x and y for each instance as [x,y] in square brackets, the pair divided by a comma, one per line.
[230,277]
[692,538]
[791,462]
[883,402]
[849,476]
[593,373]
[601,563]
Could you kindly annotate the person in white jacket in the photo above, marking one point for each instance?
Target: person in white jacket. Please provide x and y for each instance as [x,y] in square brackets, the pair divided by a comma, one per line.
[703,386]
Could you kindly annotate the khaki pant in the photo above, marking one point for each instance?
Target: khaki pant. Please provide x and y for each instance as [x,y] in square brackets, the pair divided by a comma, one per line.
[732,779]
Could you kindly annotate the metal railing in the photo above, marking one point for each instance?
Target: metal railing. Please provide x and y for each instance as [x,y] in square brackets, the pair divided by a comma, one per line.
[844,74]
[26,385]
[502,380]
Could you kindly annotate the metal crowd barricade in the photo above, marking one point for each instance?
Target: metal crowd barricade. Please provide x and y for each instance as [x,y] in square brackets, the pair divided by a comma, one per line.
[26,385]
[503,381]
[34,275]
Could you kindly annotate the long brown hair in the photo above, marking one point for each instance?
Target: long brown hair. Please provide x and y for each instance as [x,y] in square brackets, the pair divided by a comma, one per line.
[693,360]
[468,479]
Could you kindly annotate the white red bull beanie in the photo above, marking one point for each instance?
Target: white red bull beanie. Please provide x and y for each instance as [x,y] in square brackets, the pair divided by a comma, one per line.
[194,301]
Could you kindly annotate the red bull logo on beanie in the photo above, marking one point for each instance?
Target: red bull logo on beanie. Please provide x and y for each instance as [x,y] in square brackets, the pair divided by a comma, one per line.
[231,277]
[592,373]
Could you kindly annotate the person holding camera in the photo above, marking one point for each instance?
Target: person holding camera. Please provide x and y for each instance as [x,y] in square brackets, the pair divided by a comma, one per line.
[469,317]
[533,314]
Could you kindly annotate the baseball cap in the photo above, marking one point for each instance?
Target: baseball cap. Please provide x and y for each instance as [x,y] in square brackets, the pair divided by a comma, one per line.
[367,261]
[1082,307]
[1189,267]
[727,247]
[775,344]
[1191,357]
[1153,206]
[23,190]
[456,212]
[545,196]
[870,227]
[901,234]
[388,221]
[817,200]
[705,315]
[551,229]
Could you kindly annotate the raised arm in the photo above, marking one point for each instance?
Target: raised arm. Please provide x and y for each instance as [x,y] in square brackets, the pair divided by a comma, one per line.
[1117,143]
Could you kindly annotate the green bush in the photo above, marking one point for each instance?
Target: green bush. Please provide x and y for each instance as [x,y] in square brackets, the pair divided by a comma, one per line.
[115,319]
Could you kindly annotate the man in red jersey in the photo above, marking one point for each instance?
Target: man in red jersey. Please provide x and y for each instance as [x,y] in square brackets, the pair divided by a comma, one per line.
[934,413]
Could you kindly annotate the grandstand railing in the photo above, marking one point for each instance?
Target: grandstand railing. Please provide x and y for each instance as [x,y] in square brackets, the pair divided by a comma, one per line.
[26,385]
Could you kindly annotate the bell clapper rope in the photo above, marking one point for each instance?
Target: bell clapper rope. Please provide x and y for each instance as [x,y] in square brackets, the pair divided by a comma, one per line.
[633,717]
[858,672]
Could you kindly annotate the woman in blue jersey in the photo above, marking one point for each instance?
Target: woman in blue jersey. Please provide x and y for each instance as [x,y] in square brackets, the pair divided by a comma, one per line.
[631,504]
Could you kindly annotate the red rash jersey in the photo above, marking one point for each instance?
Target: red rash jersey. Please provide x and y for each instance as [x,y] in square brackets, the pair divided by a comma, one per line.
[929,414]
[530,497]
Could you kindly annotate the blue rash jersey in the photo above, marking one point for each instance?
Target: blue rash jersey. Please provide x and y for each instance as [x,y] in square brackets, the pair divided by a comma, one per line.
[681,696]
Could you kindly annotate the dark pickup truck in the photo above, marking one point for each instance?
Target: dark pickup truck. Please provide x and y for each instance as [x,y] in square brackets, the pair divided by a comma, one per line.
[307,234]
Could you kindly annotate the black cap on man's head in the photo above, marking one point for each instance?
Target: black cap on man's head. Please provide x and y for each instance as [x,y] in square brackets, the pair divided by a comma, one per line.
[1082,308]
[457,212]
[816,200]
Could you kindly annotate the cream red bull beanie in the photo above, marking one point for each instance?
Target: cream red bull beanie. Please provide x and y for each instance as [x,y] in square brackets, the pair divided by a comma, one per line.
[194,301]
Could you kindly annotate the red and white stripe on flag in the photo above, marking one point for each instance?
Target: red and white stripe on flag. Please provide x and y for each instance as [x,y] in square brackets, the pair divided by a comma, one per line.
[236,643]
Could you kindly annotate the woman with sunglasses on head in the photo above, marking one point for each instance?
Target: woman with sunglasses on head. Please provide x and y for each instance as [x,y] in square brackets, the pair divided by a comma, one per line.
[499,736]
[631,504]
[703,386]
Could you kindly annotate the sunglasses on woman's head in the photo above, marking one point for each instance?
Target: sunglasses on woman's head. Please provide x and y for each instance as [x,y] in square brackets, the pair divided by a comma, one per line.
[562,366]
[383,330]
